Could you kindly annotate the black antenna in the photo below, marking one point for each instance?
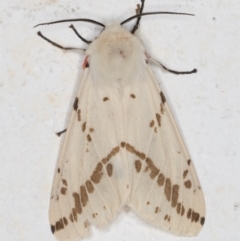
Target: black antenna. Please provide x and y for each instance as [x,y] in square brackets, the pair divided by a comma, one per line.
[72,20]
[55,44]
[81,37]
[153,13]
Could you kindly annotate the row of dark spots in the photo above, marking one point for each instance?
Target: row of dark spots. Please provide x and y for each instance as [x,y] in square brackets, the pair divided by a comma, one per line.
[188,183]
[158,118]
[106,98]
[84,126]
[80,201]
[132,150]
[195,217]
[152,122]
[81,198]
[75,108]
[162,96]
[171,191]
[59,225]
[64,188]
[167,218]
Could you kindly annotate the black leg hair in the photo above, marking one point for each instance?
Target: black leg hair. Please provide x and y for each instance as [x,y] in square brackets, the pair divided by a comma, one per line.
[55,44]
[172,71]
[137,24]
[82,38]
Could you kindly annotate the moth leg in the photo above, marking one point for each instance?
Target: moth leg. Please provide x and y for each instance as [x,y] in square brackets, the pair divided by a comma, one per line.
[170,70]
[61,132]
[55,44]
[139,10]
[78,34]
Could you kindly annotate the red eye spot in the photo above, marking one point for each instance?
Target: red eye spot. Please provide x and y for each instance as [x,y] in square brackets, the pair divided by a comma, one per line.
[85,63]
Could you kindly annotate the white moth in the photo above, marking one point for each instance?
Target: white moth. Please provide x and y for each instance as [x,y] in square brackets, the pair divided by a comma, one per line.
[122,147]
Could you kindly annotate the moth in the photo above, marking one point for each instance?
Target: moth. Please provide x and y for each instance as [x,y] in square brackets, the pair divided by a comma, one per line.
[122,145]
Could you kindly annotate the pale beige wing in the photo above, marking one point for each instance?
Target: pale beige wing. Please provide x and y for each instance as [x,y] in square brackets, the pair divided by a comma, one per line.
[165,190]
[90,179]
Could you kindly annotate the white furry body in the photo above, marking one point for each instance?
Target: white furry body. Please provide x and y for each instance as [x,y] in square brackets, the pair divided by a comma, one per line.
[122,147]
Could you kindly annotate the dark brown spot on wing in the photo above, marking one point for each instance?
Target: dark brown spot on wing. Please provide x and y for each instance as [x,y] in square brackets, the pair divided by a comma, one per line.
[151,123]
[179,206]
[202,221]
[65,221]
[163,99]
[175,194]
[180,209]
[148,203]
[154,170]
[138,165]
[84,126]
[97,173]
[167,218]
[77,204]
[185,173]
[161,179]
[63,190]
[53,229]
[134,151]
[123,144]
[133,96]
[91,130]
[89,186]
[111,154]
[157,210]
[168,189]
[89,138]
[109,169]
[59,225]
[79,115]
[74,213]
[58,170]
[188,184]
[189,162]
[158,117]
[75,104]
[93,215]
[189,213]
[84,196]
[161,108]
[195,217]
[64,182]
[105,99]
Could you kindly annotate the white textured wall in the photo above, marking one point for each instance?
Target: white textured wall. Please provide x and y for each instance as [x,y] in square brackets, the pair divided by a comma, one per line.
[37,87]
